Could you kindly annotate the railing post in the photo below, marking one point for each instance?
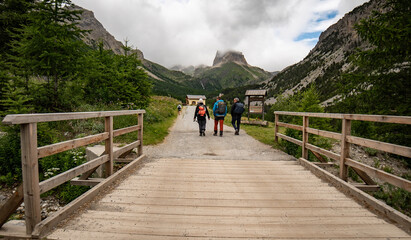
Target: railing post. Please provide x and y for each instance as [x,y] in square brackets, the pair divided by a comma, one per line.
[345,148]
[305,138]
[276,127]
[30,168]
[109,145]
[140,134]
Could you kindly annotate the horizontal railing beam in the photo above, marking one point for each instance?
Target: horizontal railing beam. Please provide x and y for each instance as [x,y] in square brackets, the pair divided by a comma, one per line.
[91,182]
[309,114]
[323,151]
[122,131]
[382,146]
[70,144]
[290,139]
[70,174]
[368,188]
[379,118]
[328,134]
[358,117]
[52,117]
[376,173]
[288,125]
[125,149]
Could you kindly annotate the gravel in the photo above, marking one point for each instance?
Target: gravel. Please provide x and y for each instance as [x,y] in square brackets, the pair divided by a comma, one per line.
[184,142]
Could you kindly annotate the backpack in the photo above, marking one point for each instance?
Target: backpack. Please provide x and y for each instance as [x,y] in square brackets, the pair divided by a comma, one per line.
[221,107]
[239,108]
[201,111]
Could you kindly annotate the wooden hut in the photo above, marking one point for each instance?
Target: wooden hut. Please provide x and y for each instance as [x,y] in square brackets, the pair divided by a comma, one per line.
[193,99]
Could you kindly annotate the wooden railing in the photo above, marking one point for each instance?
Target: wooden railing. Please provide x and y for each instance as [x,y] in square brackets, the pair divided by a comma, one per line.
[364,171]
[31,188]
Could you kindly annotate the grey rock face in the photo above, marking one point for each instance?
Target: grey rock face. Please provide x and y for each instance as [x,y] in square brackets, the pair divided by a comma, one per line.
[230,56]
[98,33]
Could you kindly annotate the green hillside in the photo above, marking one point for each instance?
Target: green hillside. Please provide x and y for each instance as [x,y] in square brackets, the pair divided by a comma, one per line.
[230,75]
[172,83]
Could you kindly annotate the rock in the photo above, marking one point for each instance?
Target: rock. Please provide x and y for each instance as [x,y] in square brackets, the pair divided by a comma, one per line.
[230,56]
[98,33]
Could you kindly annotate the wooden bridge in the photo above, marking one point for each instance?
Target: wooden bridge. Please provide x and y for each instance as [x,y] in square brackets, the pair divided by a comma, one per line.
[184,198]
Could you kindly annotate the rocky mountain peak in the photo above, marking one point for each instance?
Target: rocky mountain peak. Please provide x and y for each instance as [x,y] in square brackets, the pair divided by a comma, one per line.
[99,33]
[229,56]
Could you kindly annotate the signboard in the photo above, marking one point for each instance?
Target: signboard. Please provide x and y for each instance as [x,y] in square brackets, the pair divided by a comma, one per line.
[255,99]
[256,109]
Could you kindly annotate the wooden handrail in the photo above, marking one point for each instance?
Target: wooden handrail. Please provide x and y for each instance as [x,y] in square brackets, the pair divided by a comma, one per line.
[53,117]
[386,147]
[70,144]
[322,133]
[346,139]
[32,188]
[360,117]
[309,114]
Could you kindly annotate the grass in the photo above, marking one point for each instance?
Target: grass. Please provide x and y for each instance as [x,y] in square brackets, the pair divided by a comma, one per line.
[260,133]
[159,117]
[155,133]
[165,111]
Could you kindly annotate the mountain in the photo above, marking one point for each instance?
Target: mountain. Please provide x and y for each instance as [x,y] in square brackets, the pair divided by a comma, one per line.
[99,33]
[327,61]
[165,81]
[229,70]
[230,56]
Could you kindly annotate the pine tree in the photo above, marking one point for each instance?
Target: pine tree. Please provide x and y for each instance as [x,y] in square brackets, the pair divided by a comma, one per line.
[16,101]
[13,16]
[49,47]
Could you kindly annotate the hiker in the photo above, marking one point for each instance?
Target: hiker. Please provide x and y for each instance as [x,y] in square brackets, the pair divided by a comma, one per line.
[236,111]
[200,114]
[219,111]
[179,109]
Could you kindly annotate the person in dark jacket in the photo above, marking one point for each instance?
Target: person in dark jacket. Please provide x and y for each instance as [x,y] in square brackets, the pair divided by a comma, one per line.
[219,111]
[236,111]
[200,115]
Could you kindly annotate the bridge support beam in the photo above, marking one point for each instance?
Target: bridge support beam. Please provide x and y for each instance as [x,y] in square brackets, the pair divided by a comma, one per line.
[305,138]
[276,127]
[345,148]
[140,134]
[109,146]
[30,168]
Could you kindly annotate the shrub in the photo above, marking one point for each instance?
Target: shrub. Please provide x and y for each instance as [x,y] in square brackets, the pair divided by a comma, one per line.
[371,151]
[395,197]
[10,160]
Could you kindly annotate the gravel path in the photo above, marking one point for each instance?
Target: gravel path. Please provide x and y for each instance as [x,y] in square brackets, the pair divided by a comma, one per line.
[184,142]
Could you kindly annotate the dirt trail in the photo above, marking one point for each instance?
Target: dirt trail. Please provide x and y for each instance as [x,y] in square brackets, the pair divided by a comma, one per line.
[184,142]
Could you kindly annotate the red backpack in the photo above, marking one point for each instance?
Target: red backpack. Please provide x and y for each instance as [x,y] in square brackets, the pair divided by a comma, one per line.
[201,111]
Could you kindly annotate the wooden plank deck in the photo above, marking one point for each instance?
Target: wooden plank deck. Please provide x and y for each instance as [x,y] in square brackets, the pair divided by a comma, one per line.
[219,199]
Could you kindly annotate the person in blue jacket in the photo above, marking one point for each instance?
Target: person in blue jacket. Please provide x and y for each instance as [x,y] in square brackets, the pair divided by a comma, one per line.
[219,111]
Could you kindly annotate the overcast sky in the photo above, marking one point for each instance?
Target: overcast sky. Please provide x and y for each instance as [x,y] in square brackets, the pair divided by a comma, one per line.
[272,34]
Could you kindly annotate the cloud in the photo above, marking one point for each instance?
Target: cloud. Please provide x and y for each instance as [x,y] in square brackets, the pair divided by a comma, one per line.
[272,34]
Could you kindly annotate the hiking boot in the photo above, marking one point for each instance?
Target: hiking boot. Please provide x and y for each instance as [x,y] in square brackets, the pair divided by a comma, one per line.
[201,134]
[237,132]
[204,134]
[221,133]
[215,133]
